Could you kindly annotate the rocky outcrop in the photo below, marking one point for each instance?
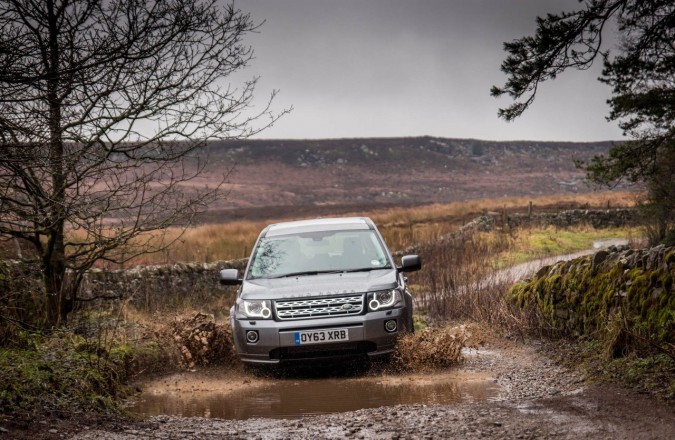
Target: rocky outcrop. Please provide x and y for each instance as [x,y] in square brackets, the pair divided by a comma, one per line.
[623,295]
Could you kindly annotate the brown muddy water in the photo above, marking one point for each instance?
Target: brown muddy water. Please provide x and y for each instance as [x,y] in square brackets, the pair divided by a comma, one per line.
[236,395]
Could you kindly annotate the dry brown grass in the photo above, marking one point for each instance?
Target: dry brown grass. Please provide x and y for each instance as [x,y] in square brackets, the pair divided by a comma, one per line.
[444,211]
[207,243]
[401,227]
[404,227]
[457,283]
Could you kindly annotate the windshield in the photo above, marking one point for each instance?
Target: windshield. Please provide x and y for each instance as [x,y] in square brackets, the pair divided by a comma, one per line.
[318,252]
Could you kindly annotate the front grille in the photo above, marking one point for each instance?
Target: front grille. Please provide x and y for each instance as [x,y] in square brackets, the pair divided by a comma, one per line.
[319,307]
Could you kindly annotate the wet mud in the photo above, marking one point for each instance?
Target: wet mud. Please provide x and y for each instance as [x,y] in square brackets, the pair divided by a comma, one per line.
[216,393]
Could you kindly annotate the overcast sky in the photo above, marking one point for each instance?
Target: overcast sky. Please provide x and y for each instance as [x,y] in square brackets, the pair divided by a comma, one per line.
[389,68]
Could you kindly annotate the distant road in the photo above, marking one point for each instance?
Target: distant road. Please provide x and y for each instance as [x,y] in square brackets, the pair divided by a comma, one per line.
[520,271]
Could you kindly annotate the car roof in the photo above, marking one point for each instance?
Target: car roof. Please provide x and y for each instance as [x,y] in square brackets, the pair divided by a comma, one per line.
[319,224]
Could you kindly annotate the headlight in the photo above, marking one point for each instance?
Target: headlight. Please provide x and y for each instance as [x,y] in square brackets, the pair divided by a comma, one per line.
[383,299]
[257,309]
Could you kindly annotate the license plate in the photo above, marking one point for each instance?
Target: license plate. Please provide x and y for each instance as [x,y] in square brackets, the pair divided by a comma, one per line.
[321,336]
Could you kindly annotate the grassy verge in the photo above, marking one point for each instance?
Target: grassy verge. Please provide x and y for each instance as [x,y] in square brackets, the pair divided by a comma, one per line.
[456,284]
[60,374]
[81,369]
[652,375]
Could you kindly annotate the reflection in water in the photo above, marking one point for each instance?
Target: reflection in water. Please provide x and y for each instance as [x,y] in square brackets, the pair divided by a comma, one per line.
[296,398]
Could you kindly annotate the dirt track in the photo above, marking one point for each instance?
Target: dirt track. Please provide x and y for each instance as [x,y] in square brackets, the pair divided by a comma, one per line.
[538,399]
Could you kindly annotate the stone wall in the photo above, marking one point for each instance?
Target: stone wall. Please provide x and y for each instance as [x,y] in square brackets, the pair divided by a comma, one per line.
[598,218]
[622,295]
[148,288]
[158,287]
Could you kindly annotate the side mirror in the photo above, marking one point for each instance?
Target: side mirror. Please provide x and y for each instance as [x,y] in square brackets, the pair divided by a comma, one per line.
[229,277]
[410,263]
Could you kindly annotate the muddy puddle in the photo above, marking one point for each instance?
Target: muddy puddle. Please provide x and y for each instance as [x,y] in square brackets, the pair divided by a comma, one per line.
[228,395]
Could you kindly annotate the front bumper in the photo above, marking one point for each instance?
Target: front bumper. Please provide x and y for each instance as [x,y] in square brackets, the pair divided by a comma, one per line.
[276,339]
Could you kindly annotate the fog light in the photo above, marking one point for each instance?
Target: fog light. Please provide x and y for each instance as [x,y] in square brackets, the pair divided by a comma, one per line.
[252,336]
[390,325]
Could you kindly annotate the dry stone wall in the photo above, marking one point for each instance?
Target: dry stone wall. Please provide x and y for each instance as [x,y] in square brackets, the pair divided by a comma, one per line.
[158,287]
[598,218]
[622,295]
[148,288]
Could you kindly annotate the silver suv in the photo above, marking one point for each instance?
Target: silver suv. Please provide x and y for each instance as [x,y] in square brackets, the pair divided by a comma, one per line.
[322,288]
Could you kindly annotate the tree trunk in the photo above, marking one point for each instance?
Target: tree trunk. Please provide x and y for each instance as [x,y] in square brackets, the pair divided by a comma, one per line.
[54,277]
[54,259]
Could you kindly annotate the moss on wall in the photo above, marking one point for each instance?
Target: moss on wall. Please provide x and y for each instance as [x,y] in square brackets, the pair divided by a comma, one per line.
[623,297]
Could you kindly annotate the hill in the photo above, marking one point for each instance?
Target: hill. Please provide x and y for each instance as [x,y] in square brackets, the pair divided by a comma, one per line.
[313,177]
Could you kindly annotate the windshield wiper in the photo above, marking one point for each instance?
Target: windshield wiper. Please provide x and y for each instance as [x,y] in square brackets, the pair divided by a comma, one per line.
[318,272]
[307,272]
[365,269]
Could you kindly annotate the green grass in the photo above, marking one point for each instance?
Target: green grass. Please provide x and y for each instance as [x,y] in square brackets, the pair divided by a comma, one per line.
[419,322]
[58,374]
[654,374]
[530,244]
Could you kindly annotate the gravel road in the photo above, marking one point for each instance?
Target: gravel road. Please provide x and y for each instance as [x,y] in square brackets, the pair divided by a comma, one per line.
[538,400]
[519,271]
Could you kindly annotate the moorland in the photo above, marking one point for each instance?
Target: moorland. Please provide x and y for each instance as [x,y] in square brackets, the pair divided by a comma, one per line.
[295,178]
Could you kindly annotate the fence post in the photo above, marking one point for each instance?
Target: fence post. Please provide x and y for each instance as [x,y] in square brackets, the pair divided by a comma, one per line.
[505,219]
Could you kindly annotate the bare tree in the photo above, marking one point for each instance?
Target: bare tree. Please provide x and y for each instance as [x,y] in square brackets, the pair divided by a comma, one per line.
[103,104]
